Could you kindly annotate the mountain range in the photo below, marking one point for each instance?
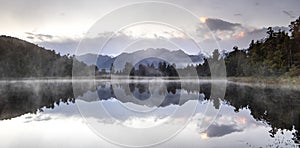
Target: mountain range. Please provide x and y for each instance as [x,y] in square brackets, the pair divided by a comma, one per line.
[146,57]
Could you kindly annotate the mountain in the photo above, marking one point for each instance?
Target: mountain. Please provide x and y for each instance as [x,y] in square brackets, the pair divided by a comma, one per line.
[148,56]
[91,59]
[102,61]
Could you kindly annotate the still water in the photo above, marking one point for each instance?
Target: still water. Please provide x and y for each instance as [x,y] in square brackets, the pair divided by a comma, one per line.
[83,113]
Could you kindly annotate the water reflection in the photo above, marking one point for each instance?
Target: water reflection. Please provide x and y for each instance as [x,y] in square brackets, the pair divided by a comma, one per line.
[20,98]
[277,108]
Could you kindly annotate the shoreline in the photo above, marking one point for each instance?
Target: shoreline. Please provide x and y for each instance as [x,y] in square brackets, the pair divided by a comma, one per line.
[245,80]
[266,80]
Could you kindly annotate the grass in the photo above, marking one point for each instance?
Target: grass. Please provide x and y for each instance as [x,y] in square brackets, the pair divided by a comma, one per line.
[282,80]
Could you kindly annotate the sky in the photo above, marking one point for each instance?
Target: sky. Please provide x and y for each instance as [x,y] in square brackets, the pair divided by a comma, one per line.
[65,26]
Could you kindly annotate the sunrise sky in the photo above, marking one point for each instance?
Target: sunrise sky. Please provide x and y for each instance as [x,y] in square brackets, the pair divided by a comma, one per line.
[60,25]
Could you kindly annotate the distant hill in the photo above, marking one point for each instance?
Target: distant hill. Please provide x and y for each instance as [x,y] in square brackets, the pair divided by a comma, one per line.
[150,55]
[102,61]
[20,59]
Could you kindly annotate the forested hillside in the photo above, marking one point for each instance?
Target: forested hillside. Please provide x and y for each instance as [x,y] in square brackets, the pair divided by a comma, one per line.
[19,58]
[275,55]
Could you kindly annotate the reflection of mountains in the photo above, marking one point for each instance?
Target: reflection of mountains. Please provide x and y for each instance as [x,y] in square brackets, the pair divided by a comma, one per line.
[277,107]
[148,94]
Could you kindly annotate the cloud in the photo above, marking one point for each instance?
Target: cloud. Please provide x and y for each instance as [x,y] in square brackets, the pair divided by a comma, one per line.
[39,117]
[38,37]
[289,13]
[121,42]
[224,35]
[221,25]
[30,37]
[237,14]
[221,130]
[219,30]
[65,46]
[243,37]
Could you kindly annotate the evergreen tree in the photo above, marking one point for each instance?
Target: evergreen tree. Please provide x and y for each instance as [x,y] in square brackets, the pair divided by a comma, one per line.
[236,62]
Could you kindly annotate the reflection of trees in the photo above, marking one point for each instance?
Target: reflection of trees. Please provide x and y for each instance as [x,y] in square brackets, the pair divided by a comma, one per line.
[277,107]
[140,87]
[172,87]
[140,90]
[19,99]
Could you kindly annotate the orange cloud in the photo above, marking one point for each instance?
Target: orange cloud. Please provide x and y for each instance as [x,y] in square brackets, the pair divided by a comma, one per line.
[242,120]
[204,136]
[203,19]
[240,35]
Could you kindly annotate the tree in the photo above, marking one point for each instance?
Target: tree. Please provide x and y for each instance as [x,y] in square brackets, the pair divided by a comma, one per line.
[270,32]
[103,71]
[216,55]
[236,62]
[127,68]
[142,70]
[295,42]
[162,67]
[215,64]
[112,68]
[203,69]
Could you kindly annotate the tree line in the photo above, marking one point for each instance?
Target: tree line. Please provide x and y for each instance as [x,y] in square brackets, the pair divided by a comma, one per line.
[162,69]
[276,55]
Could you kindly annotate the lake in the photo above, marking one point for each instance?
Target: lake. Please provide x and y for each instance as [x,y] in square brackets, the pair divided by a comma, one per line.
[159,113]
